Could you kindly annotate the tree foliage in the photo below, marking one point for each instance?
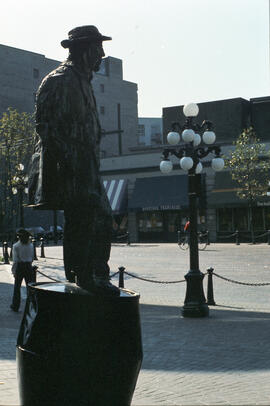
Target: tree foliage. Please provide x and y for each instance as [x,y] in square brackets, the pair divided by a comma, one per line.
[16,146]
[249,164]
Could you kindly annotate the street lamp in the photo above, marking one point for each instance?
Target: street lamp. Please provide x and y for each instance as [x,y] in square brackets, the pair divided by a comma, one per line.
[190,154]
[19,187]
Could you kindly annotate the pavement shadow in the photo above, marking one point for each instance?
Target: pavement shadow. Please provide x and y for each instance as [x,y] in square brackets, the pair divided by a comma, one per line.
[229,340]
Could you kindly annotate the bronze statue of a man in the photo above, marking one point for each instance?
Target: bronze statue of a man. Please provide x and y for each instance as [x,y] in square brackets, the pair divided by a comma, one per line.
[64,172]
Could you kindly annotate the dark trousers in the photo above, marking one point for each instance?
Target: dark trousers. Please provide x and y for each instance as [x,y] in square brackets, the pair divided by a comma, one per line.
[24,271]
[87,242]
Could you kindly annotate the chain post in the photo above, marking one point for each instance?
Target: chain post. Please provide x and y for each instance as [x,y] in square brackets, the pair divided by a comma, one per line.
[128,238]
[42,253]
[207,238]
[237,237]
[35,248]
[268,237]
[121,277]
[210,290]
[11,249]
[6,257]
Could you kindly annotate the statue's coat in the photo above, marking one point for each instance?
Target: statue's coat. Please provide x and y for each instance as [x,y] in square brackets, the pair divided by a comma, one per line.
[65,166]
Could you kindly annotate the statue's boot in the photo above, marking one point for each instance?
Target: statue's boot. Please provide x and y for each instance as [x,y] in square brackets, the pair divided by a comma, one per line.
[104,286]
[98,285]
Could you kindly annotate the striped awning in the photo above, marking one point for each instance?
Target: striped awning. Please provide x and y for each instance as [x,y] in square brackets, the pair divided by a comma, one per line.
[116,190]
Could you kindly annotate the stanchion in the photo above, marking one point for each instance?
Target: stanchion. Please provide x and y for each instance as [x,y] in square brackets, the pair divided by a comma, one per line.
[11,251]
[35,248]
[268,237]
[210,291]
[237,237]
[6,257]
[128,238]
[121,277]
[42,253]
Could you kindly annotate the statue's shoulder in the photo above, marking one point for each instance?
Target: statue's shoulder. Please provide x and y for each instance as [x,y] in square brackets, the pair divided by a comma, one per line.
[59,77]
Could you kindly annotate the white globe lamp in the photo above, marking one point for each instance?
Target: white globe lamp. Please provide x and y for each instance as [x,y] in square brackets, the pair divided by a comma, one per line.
[191,110]
[173,137]
[199,168]
[209,137]
[217,164]
[166,166]
[197,139]
[186,163]
[188,135]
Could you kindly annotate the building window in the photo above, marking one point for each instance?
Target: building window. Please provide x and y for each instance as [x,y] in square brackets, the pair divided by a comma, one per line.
[102,110]
[150,222]
[102,88]
[35,73]
[240,215]
[225,219]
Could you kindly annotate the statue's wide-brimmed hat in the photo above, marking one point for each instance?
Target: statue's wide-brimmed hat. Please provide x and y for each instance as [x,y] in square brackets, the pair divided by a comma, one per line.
[85,33]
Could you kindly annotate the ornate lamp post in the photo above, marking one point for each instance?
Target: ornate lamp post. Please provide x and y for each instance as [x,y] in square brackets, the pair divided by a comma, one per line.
[19,183]
[190,154]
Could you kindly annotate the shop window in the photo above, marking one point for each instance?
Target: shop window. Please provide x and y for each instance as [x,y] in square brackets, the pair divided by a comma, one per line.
[257,218]
[240,216]
[150,222]
[225,220]
[174,222]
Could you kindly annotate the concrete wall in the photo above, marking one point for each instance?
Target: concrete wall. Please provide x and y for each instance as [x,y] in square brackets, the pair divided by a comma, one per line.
[21,73]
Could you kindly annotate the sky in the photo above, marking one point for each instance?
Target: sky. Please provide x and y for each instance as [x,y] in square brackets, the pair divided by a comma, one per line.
[177,51]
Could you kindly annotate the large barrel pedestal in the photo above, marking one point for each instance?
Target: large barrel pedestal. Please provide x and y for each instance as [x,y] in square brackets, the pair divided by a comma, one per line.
[77,348]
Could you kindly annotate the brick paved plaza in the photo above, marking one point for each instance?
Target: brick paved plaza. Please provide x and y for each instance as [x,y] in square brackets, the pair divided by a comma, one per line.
[220,360]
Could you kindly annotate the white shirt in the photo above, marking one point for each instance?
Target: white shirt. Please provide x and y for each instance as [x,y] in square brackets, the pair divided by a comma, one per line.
[23,252]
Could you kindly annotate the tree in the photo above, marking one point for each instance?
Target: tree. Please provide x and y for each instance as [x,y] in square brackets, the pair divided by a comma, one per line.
[16,146]
[249,164]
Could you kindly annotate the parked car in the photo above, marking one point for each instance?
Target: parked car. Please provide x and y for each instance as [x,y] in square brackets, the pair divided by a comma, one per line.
[49,235]
[37,232]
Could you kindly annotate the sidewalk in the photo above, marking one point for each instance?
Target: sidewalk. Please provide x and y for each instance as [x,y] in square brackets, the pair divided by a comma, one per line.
[220,360]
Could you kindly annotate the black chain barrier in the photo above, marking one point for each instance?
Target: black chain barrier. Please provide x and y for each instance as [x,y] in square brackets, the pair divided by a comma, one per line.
[261,235]
[241,283]
[122,236]
[229,236]
[49,277]
[152,280]
[114,274]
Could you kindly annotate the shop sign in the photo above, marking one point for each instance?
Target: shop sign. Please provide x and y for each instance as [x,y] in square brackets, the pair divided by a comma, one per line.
[162,207]
[150,208]
[170,207]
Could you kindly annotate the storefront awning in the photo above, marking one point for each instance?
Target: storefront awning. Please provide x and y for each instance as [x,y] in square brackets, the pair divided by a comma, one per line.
[224,193]
[160,193]
[116,190]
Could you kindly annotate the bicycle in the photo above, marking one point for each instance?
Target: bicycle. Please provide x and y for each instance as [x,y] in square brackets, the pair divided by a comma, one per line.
[184,242]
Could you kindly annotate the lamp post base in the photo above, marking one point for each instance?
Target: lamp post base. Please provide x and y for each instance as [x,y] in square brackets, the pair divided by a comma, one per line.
[195,310]
[195,303]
